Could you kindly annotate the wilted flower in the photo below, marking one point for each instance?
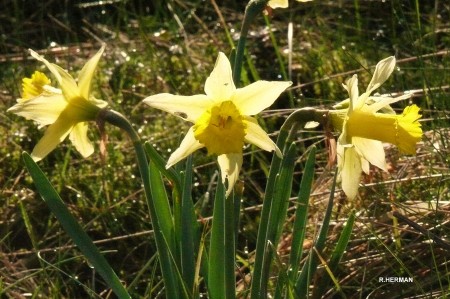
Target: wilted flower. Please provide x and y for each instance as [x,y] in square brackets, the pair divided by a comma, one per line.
[65,110]
[364,128]
[222,118]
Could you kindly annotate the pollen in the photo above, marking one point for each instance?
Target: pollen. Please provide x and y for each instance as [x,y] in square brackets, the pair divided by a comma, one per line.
[221,129]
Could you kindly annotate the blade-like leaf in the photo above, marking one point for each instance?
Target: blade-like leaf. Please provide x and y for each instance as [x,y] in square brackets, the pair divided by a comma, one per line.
[163,227]
[188,226]
[301,215]
[160,163]
[310,265]
[216,273]
[221,278]
[336,255]
[230,247]
[264,223]
[276,202]
[73,228]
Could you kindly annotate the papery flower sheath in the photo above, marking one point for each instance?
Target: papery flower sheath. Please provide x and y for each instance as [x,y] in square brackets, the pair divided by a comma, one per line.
[65,110]
[221,118]
[364,128]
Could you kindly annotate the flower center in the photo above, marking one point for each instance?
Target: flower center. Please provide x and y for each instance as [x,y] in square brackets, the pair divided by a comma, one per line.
[221,129]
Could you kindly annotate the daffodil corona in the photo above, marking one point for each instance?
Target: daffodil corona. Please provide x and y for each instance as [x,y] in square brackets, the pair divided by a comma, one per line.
[221,118]
[364,128]
[65,110]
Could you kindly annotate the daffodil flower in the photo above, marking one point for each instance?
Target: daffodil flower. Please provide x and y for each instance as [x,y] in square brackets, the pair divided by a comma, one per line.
[65,110]
[364,128]
[221,118]
[282,3]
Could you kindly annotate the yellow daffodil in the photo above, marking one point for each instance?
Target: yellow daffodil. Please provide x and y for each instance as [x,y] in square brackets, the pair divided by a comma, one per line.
[282,3]
[65,110]
[222,118]
[364,128]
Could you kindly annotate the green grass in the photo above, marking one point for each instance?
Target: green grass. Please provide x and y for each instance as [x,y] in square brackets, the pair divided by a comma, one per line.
[153,48]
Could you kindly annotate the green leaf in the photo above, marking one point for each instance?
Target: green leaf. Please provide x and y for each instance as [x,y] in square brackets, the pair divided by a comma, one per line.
[310,265]
[160,163]
[163,227]
[188,226]
[221,278]
[73,228]
[263,225]
[336,256]
[275,205]
[162,206]
[301,215]
[230,247]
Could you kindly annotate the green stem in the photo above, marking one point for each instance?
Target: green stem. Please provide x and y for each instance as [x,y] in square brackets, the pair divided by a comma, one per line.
[280,60]
[253,8]
[287,134]
[120,121]
[304,115]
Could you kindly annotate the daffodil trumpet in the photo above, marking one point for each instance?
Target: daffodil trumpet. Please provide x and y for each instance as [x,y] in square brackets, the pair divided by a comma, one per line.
[222,118]
[401,130]
[65,110]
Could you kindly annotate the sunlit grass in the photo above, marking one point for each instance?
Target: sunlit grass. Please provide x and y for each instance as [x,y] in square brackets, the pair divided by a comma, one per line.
[153,48]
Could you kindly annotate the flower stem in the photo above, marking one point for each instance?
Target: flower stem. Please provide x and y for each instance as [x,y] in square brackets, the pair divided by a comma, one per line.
[120,121]
[273,201]
[253,8]
[300,117]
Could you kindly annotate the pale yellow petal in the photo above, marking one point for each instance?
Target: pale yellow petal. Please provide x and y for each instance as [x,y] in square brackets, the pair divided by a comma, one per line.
[189,108]
[80,140]
[371,150]
[257,136]
[54,135]
[187,147]
[219,85]
[365,165]
[278,3]
[65,80]
[352,87]
[340,150]
[230,166]
[382,72]
[381,102]
[350,174]
[44,109]
[257,96]
[87,72]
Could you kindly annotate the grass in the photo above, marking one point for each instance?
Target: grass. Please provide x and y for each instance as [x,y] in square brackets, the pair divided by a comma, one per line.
[161,47]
